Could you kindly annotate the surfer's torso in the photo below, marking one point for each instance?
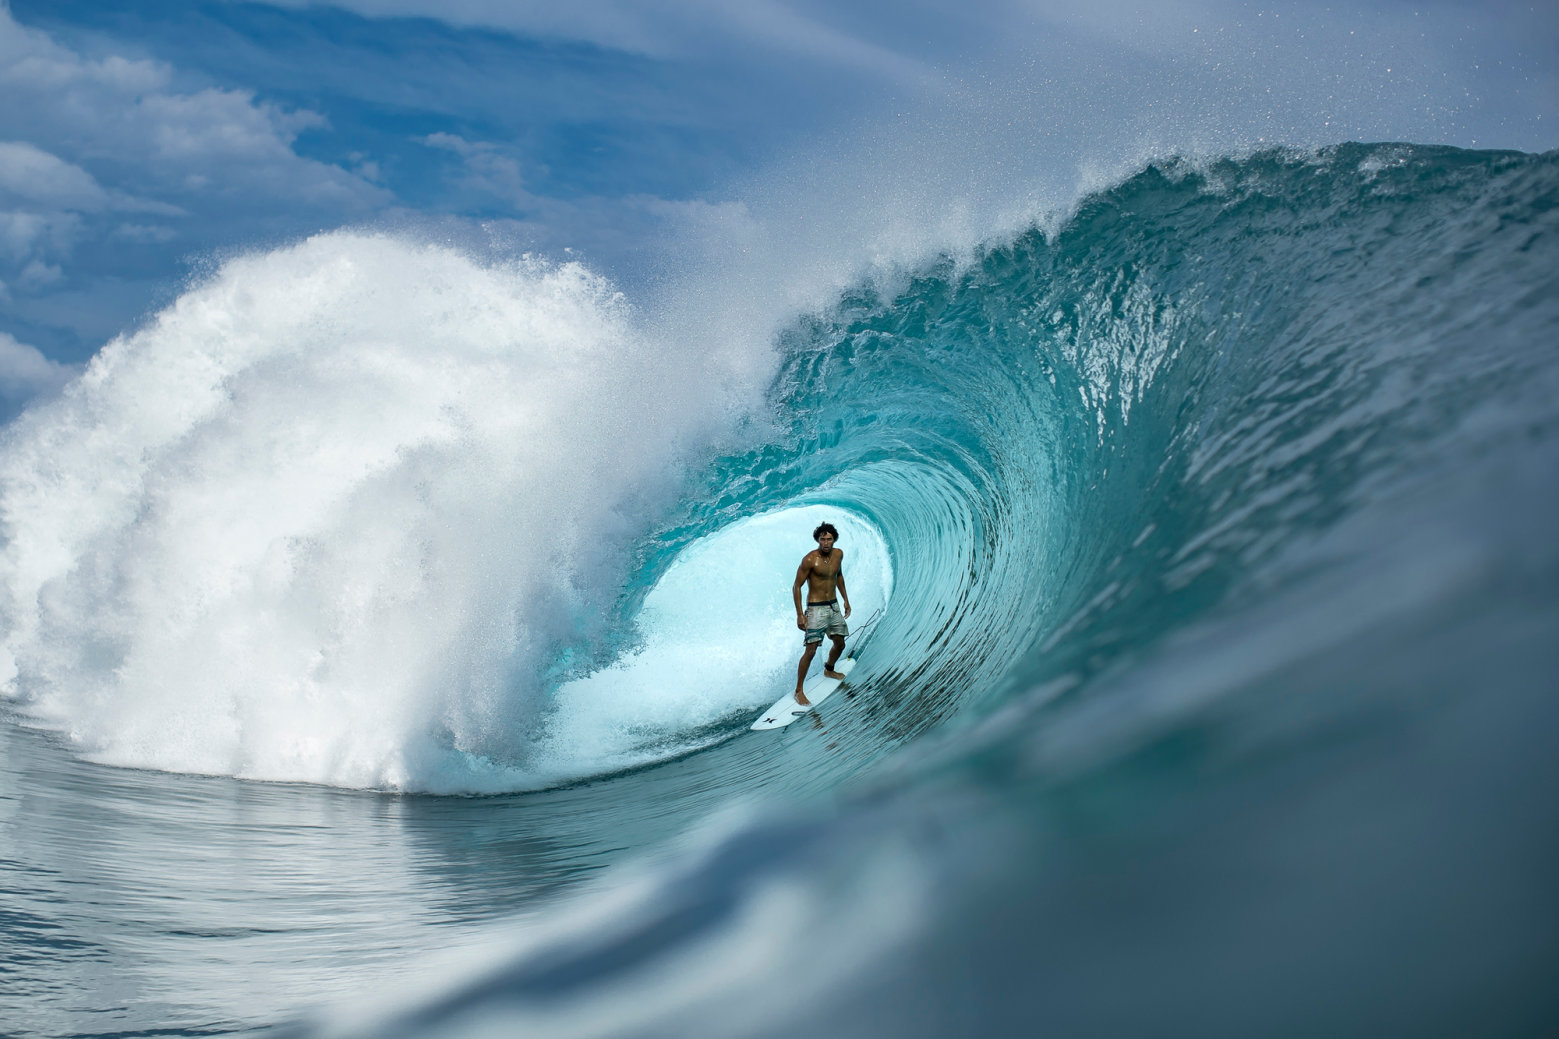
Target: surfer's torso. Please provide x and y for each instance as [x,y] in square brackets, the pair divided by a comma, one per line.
[823,574]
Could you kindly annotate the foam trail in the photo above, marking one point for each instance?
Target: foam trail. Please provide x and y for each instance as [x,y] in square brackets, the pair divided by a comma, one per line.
[328,516]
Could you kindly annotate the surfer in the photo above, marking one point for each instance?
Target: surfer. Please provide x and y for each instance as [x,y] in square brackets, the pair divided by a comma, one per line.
[822,572]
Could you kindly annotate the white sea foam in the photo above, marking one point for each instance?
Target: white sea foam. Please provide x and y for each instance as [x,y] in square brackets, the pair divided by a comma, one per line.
[325,518]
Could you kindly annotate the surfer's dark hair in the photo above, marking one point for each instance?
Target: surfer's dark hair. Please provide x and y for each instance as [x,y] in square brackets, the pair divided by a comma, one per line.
[825,528]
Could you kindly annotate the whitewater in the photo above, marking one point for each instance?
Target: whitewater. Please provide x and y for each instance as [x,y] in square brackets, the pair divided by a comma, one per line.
[383,622]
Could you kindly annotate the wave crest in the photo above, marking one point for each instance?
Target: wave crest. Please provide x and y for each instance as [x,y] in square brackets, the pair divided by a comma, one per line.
[330,515]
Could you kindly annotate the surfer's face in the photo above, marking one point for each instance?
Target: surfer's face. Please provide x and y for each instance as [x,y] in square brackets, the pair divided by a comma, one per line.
[825,543]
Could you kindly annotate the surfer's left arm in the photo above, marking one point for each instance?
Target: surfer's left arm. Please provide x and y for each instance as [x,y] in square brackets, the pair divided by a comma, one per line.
[844,596]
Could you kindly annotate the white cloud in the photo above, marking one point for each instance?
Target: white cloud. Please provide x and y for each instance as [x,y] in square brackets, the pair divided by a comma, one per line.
[487,169]
[222,142]
[42,196]
[38,275]
[85,140]
[25,373]
[659,28]
[224,123]
[31,175]
[782,28]
[25,235]
[45,200]
[142,233]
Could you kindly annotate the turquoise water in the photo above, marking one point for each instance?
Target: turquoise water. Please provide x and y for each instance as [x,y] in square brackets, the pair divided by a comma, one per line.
[1212,690]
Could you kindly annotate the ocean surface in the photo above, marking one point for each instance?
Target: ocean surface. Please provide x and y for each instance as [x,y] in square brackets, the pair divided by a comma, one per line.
[383,624]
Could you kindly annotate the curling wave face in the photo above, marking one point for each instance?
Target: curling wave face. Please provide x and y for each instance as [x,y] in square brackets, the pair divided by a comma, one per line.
[1076,443]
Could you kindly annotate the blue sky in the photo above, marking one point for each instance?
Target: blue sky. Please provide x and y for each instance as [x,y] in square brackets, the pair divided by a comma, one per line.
[140,140]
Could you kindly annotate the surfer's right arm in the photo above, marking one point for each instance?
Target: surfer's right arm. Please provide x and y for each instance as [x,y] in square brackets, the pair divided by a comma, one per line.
[802,572]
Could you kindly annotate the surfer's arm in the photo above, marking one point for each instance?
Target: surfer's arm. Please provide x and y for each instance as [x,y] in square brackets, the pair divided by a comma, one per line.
[844,596]
[795,590]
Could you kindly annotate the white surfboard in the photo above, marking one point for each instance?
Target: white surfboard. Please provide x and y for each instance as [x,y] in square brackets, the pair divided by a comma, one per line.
[816,690]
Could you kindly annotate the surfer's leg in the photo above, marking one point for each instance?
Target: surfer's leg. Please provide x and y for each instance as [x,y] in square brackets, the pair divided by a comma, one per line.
[833,657]
[801,671]
[837,630]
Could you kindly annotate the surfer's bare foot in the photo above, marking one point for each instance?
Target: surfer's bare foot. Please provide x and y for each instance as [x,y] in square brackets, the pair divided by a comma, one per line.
[801,698]
[829,672]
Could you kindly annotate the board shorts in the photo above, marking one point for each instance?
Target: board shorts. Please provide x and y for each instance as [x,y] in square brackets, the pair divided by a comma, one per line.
[824,618]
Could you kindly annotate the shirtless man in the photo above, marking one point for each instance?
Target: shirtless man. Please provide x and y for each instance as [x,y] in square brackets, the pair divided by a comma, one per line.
[822,572]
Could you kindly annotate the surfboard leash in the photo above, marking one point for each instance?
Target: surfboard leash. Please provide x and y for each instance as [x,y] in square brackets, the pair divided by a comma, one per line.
[858,632]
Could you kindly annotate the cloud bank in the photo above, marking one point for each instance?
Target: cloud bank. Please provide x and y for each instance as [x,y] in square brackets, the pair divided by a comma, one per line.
[107,154]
